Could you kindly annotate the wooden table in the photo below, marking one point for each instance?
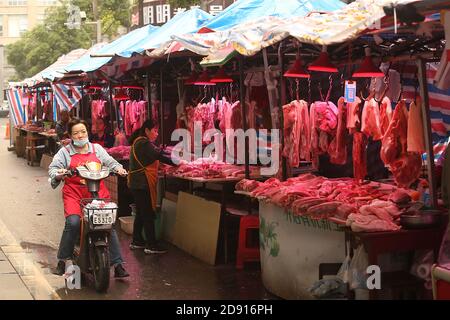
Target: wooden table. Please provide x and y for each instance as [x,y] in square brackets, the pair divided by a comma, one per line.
[226,187]
[376,243]
[51,141]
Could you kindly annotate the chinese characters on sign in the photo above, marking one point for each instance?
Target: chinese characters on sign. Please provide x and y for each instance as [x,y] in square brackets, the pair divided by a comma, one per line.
[159,12]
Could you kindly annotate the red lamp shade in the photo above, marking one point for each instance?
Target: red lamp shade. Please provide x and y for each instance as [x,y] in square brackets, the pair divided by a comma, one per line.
[92,87]
[297,71]
[120,95]
[323,64]
[368,70]
[221,77]
[204,80]
[192,78]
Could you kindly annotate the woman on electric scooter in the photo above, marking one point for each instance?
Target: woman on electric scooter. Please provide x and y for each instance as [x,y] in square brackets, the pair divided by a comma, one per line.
[71,156]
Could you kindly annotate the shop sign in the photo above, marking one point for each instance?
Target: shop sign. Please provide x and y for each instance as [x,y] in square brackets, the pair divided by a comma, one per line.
[158,12]
[306,221]
[350,91]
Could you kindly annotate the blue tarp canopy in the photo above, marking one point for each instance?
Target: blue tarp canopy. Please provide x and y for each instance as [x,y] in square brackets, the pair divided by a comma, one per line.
[88,63]
[186,22]
[245,10]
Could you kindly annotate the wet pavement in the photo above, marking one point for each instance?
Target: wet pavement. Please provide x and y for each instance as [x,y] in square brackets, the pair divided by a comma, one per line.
[32,216]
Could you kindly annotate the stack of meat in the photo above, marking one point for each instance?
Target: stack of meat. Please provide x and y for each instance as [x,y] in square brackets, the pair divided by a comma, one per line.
[320,198]
[119,152]
[209,169]
[379,215]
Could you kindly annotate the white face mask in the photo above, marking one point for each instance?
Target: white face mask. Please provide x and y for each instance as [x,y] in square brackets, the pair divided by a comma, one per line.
[80,143]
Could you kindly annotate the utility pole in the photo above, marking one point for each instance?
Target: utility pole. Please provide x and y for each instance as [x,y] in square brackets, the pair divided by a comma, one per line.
[97,20]
[141,13]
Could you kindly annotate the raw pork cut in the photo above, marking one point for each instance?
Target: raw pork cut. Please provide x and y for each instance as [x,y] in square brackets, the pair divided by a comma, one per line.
[394,141]
[353,120]
[404,166]
[371,120]
[385,114]
[338,147]
[359,156]
[415,128]
[296,132]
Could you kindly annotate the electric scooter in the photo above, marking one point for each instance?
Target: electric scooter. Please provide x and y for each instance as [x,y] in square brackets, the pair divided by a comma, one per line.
[91,253]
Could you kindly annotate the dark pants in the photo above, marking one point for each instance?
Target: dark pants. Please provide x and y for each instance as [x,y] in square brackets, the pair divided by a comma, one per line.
[71,235]
[145,217]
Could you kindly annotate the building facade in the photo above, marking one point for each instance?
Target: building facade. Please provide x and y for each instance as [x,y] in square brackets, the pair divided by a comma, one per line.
[17,17]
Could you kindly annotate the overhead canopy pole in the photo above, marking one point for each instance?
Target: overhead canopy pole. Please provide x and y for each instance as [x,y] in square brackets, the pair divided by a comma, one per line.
[271,92]
[161,115]
[244,114]
[282,103]
[149,96]
[427,126]
[82,100]
[111,101]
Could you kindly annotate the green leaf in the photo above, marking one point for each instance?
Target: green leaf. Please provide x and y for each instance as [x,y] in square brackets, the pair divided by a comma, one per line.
[275,249]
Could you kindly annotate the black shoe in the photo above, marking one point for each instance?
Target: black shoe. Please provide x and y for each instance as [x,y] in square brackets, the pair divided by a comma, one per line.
[136,245]
[120,272]
[60,268]
[155,249]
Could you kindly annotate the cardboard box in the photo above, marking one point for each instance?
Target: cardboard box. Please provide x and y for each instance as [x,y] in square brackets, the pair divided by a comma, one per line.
[46,160]
[126,224]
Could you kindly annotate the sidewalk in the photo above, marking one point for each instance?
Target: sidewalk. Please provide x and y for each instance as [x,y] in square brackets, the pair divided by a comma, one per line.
[11,285]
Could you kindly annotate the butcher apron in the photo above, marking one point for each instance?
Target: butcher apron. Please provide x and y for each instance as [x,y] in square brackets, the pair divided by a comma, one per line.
[151,173]
[75,187]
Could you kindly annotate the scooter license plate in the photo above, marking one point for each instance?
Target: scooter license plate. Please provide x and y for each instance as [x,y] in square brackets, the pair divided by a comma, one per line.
[102,218]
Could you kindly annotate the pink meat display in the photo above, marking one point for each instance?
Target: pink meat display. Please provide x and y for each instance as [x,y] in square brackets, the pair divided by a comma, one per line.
[120,152]
[296,132]
[353,120]
[370,124]
[208,168]
[338,146]
[323,118]
[98,110]
[405,166]
[364,207]
[385,114]
[359,156]
[415,133]
[394,142]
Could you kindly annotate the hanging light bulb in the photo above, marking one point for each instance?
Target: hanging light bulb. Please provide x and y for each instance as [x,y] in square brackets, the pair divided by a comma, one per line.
[323,63]
[297,71]
[121,95]
[367,69]
[221,77]
[204,80]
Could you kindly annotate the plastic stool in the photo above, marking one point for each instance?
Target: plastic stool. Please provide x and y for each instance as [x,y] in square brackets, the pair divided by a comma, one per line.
[244,253]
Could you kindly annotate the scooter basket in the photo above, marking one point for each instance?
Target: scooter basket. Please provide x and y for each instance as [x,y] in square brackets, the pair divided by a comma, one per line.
[101,213]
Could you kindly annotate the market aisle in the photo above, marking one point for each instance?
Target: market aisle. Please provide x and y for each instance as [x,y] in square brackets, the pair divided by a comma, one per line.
[32,212]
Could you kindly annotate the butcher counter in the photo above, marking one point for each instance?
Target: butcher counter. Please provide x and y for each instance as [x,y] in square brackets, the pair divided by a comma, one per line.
[293,249]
